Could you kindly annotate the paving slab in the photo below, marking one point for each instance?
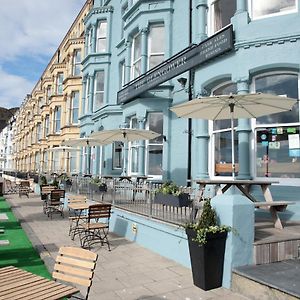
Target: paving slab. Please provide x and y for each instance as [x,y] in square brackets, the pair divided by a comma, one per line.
[128,272]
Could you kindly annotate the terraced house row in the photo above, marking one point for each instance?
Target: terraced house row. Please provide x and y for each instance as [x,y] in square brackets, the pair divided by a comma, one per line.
[126,63]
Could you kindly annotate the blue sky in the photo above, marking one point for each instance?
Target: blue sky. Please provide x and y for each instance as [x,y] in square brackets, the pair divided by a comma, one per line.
[30,32]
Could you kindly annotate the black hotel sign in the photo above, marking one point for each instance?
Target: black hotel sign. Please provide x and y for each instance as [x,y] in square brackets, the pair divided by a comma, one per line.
[181,62]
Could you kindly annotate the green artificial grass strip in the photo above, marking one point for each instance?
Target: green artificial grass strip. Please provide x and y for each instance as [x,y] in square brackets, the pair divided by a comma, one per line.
[20,252]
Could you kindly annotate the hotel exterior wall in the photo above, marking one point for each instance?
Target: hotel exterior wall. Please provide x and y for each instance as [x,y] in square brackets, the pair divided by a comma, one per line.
[261,46]
[121,29]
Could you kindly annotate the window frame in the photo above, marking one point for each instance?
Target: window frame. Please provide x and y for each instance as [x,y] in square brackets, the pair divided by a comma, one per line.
[76,64]
[59,83]
[137,61]
[152,54]
[101,38]
[286,12]
[96,105]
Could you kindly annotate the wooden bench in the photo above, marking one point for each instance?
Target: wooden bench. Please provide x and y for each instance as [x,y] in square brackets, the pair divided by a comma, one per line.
[274,207]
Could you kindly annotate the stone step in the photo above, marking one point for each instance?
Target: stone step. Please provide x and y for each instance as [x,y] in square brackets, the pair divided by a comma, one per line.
[278,280]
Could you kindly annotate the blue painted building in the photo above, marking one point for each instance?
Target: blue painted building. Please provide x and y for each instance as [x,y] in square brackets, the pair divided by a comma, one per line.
[125,40]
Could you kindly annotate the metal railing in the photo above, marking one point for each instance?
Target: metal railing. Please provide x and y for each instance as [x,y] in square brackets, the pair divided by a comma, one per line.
[135,196]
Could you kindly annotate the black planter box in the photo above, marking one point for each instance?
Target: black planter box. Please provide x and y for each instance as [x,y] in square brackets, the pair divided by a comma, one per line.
[171,200]
[207,260]
[98,188]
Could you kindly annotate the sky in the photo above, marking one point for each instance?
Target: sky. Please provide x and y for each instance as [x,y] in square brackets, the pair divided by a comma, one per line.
[30,33]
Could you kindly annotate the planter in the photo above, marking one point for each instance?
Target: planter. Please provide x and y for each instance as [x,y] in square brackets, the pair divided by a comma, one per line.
[207,260]
[171,200]
[98,188]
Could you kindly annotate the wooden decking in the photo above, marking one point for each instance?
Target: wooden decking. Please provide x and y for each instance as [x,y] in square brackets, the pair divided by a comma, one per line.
[272,245]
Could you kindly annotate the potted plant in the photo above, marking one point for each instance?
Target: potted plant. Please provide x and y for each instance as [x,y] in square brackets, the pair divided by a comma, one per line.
[170,194]
[207,241]
[43,180]
[97,185]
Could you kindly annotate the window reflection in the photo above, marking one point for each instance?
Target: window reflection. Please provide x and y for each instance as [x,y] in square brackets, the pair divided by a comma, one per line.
[270,7]
[278,152]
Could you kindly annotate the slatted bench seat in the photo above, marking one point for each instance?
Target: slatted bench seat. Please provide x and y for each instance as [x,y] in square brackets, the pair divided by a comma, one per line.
[274,207]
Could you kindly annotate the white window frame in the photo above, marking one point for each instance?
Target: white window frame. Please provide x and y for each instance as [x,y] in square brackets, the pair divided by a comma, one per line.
[101,38]
[285,12]
[76,64]
[211,18]
[74,108]
[148,144]
[139,59]
[96,105]
[59,83]
[151,54]
[255,127]
[86,100]
[57,121]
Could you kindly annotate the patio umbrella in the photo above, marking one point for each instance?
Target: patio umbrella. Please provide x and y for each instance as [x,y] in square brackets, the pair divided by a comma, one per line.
[62,149]
[84,142]
[233,106]
[125,135]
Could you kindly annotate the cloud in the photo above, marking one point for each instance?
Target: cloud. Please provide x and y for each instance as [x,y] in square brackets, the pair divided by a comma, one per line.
[35,27]
[13,89]
[30,31]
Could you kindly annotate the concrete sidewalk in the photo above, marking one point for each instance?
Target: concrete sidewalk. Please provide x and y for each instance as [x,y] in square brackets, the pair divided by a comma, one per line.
[129,271]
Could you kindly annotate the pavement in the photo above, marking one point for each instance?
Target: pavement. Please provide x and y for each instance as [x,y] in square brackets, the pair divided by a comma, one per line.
[128,271]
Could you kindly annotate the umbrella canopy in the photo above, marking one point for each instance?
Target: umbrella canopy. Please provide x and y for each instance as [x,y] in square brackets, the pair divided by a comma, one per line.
[125,134]
[242,106]
[233,106]
[84,142]
[62,148]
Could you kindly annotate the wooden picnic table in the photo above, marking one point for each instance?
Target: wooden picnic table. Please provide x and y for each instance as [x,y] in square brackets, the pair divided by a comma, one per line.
[244,186]
[16,284]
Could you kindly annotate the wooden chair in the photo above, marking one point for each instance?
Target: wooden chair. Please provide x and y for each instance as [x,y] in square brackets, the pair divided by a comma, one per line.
[95,229]
[73,217]
[77,266]
[45,194]
[10,187]
[55,205]
[24,188]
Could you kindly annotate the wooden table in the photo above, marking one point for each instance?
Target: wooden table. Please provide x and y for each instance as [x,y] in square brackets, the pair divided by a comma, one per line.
[78,208]
[244,186]
[19,284]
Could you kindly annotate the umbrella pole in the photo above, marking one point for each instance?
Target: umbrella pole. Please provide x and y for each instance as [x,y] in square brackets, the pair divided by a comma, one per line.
[231,105]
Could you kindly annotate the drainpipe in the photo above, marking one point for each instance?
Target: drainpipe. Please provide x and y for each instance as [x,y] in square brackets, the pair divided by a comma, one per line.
[190,95]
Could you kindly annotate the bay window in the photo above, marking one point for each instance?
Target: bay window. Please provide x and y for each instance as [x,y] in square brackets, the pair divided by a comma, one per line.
[59,83]
[76,64]
[117,155]
[101,37]
[136,57]
[74,107]
[57,119]
[155,146]
[156,42]
[134,149]
[98,90]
